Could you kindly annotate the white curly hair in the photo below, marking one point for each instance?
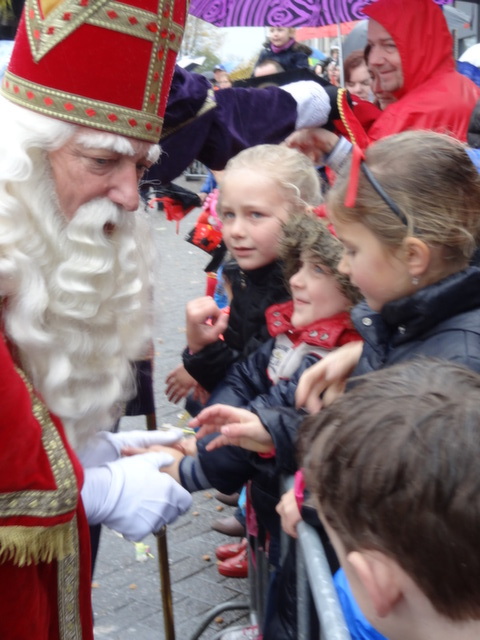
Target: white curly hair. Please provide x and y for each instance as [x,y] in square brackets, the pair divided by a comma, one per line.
[77,295]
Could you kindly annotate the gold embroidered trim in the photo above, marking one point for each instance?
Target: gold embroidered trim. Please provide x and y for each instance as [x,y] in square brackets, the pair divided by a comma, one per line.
[54,502]
[210,103]
[82,111]
[68,580]
[44,33]
[32,545]
[340,94]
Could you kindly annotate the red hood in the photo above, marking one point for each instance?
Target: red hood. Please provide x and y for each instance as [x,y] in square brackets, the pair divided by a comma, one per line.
[421,34]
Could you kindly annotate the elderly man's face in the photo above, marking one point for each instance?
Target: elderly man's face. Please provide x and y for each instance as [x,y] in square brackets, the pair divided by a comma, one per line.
[98,165]
[384,57]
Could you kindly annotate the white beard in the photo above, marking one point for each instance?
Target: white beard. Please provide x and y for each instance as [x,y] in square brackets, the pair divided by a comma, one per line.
[78,300]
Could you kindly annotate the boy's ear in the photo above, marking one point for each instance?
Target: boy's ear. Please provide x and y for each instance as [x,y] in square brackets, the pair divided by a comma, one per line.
[418,256]
[377,575]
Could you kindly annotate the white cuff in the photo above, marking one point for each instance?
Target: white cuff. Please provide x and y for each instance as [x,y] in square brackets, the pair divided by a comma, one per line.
[313,103]
[338,155]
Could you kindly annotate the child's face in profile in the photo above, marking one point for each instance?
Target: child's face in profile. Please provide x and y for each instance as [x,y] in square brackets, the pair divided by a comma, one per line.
[380,272]
[315,293]
[253,208]
[279,35]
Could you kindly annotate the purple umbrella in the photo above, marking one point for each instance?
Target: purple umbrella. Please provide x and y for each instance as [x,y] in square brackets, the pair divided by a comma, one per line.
[291,13]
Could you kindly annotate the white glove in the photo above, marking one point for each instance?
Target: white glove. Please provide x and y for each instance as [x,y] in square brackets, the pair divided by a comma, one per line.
[313,103]
[106,447]
[132,496]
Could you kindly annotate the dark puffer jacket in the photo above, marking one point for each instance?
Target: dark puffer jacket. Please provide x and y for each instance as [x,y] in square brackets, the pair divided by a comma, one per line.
[295,57]
[253,292]
[441,321]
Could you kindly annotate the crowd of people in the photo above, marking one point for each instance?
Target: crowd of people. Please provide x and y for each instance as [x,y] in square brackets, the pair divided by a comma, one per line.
[349,354]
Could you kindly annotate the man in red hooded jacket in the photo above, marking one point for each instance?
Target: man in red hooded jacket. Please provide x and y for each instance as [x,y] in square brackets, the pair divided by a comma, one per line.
[411,53]
[430,93]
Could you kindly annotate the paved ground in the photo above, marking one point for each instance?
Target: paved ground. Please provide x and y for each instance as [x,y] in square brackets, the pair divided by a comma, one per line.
[126,593]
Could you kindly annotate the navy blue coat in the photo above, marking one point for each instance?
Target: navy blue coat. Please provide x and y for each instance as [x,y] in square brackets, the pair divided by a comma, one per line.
[253,291]
[441,321]
[295,57]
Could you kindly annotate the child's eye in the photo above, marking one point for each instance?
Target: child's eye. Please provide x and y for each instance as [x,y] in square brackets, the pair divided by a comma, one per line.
[318,269]
[349,252]
[227,215]
[256,215]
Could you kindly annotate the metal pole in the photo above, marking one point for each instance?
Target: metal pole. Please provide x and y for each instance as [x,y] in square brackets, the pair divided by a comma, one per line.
[340,50]
[165,585]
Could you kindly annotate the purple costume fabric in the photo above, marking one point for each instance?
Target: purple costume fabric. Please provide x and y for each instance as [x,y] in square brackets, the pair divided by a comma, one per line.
[241,118]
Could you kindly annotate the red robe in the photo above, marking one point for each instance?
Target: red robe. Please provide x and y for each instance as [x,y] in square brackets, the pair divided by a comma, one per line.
[434,95]
[44,542]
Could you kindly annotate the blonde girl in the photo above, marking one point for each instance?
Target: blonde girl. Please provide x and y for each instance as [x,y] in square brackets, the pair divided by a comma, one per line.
[261,188]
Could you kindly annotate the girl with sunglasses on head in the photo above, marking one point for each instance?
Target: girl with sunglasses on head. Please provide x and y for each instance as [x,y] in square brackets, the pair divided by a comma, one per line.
[407,214]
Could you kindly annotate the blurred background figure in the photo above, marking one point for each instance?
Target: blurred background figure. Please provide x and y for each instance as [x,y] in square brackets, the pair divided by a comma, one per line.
[223,81]
[319,68]
[333,73]
[357,76]
[218,72]
[267,68]
[282,47]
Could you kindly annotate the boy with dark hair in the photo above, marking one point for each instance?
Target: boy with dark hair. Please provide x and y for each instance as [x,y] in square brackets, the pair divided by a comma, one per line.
[393,467]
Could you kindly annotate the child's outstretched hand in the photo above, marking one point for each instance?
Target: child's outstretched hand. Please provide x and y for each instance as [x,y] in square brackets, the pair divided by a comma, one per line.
[179,384]
[237,427]
[328,377]
[205,323]
[314,143]
[289,513]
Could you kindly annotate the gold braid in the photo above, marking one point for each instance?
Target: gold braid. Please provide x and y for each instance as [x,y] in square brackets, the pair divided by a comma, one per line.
[340,94]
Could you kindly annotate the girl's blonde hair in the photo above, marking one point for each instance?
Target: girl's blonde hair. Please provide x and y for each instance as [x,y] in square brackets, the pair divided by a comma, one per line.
[292,170]
[433,182]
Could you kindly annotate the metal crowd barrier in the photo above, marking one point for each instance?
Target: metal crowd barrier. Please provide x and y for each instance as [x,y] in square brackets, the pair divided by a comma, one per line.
[314,582]
[314,586]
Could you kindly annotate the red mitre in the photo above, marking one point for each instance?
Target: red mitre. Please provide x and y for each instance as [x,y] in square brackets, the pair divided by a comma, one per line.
[98,63]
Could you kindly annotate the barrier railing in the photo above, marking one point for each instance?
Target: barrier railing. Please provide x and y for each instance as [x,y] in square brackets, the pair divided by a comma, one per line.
[314,578]
[314,586]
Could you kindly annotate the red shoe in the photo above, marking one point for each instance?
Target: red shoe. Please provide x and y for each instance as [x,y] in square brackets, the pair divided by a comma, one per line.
[225,551]
[236,567]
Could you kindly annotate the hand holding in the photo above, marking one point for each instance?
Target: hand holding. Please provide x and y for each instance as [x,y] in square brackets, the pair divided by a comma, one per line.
[106,447]
[329,375]
[132,497]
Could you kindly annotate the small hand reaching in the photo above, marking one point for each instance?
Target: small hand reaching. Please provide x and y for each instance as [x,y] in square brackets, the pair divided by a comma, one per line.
[314,143]
[179,384]
[237,427]
[289,513]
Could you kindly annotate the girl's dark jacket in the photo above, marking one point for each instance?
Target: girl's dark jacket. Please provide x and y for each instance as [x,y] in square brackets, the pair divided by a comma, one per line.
[295,57]
[441,321]
[253,291]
